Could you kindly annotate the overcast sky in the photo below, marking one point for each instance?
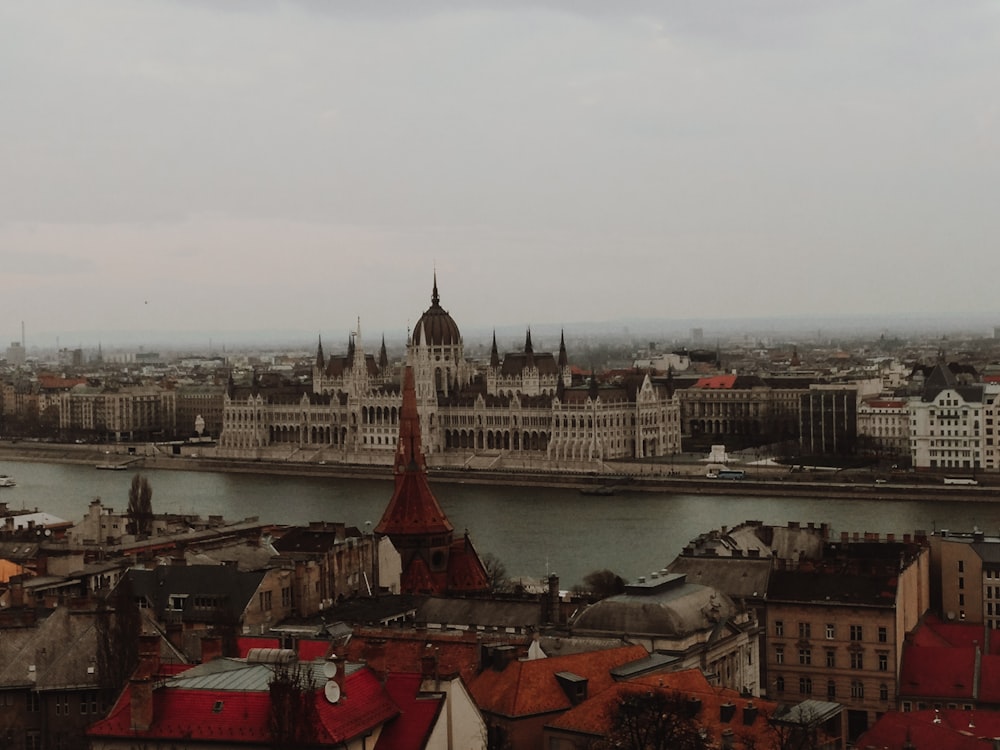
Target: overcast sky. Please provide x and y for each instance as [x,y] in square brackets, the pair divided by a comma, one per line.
[240,165]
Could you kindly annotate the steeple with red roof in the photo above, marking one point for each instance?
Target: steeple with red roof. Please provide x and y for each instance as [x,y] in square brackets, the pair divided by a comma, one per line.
[432,562]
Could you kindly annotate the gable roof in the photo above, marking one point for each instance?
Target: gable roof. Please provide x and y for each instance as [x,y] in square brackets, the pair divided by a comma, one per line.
[228,701]
[411,729]
[526,688]
[232,588]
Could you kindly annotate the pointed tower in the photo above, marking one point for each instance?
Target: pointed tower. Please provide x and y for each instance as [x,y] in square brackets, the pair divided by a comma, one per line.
[383,359]
[565,371]
[432,562]
[494,354]
[320,359]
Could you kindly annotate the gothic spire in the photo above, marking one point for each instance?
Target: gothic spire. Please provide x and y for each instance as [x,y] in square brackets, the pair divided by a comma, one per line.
[434,295]
[563,358]
[494,354]
[383,358]
[320,359]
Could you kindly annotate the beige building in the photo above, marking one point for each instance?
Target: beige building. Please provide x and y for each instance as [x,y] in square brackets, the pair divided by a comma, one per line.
[884,426]
[836,625]
[965,577]
[120,413]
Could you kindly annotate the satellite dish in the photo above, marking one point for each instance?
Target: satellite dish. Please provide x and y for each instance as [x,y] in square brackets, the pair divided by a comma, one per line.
[332,691]
[330,670]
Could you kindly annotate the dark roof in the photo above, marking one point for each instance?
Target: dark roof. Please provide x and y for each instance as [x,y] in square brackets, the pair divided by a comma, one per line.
[436,327]
[231,588]
[515,363]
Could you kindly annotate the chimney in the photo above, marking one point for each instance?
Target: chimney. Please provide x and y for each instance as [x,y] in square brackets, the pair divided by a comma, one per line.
[211,648]
[149,657]
[844,536]
[141,697]
[728,738]
[502,656]
[552,600]
[341,664]
[374,655]
[693,706]
[726,712]
[749,714]
[16,584]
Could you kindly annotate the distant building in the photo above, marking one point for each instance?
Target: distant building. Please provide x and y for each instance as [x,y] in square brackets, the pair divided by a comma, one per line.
[829,420]
[524,408]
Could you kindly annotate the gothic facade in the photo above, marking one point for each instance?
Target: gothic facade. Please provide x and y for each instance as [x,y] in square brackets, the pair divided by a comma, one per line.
[522,405]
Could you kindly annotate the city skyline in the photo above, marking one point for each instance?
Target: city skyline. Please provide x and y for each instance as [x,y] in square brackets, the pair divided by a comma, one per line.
[222,170]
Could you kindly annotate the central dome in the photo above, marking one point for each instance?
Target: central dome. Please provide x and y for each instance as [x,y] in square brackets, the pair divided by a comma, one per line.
[436,327]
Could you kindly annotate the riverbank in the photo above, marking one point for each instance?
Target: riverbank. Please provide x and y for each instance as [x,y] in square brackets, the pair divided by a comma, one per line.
[687,479]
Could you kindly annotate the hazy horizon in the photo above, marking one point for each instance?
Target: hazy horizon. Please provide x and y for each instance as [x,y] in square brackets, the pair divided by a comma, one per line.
[290,165]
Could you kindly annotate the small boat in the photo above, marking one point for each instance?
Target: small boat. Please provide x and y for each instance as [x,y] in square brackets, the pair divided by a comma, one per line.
[111,467]
[6,481]
[602,491]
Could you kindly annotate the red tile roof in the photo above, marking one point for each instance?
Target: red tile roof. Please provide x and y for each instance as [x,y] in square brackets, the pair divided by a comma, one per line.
[411,729]
[234,716]
[524,688]
[390,650]
[716,381]
[594,716]
[940,672]
[952,731]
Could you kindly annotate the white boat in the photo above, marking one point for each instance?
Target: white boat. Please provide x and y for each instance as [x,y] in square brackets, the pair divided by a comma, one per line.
[6,481]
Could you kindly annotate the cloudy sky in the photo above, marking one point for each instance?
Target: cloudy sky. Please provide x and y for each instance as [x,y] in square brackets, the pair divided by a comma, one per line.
[237,165]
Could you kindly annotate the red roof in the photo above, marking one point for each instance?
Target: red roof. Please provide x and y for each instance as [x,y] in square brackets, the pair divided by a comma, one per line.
[411,729]
[390,650]
[594,716]
[235,716]
[716,381]
[526,688]
[940,672]
[951,729]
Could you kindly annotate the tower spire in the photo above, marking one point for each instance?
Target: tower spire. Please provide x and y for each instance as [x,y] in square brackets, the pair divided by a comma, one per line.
[494,354]
[434,295]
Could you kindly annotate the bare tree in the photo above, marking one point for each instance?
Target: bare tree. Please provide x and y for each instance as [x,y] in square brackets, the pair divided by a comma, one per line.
[292,718]
[652,720]
[601,584]
[496,573]
[140,506]
[117,624]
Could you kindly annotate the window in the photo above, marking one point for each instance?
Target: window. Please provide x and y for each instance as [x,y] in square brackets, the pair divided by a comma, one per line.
[883,662]
[779,628]
[33,741]
[857,660]
[831,658]
[831,689]
[883,634]
[805,630]
[961,566]
[176,602]
[779,684]
[286,597]
[830,631]
[805,686]
[264,597]
[883,692]
[961,600]
[961,583]
[779,654]
[62,705]
[34,704]
[857,633]
[857,689]
[805,656]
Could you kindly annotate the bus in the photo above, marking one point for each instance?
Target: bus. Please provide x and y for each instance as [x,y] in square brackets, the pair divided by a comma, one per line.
[960,480]
[731,474]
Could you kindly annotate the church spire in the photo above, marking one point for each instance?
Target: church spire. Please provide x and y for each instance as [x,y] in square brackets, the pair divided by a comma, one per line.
[563,358]
[383,358]
[435,299]
[320,359]
[494,354]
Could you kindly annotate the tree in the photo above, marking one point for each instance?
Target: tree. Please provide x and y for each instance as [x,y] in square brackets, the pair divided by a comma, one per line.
[496,573]
[601,584]
[117,625]
[652,720]
[140,506]
[292,717]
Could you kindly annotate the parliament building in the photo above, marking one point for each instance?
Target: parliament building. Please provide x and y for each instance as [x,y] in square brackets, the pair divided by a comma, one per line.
[520,410]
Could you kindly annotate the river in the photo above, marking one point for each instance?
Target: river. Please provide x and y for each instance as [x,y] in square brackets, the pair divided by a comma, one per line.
[534,531]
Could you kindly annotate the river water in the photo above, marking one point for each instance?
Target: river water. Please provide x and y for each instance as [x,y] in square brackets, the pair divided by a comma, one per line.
[534,531]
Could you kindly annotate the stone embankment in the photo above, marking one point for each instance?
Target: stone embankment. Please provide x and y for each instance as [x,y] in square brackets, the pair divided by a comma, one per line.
[681,479]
